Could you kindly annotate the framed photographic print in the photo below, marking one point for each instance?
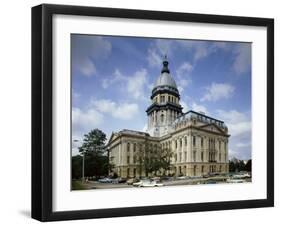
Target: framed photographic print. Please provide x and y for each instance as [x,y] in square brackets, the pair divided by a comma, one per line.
[145,112]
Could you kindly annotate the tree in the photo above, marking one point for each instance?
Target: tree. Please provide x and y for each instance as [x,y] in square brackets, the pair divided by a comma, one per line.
[140,157]
[76,166]
[236,165]
[248,166]
[153,159]
[166,159]
[96,158]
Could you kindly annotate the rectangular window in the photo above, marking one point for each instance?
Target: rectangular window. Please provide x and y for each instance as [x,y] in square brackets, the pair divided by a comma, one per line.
[194,140]
[185,141]
[128,159]
[202,156]
[202,142]
[194,156]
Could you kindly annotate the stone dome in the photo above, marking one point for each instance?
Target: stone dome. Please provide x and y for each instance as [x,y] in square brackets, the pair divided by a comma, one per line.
[165,79]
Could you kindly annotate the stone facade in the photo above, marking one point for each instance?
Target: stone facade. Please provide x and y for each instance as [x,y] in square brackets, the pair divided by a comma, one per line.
[198,143]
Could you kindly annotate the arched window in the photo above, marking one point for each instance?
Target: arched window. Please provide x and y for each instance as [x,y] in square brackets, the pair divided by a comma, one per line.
[194,141]
[194,156]
[128,147]
[162,118]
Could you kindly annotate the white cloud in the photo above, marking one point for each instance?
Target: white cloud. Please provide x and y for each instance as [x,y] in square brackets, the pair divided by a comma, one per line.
[164,46]
[117,77]
[180,88]
[232,154]
[158,49]
[199,108]
[200,49]
[124,111]
[238,123]
[218,91]
[144,129]
[87,67]
[241,144]
[183,75]
[184,69]
[135,85]
[242,60]
[184,105]
[85,50]
[85,120]
[154,58]
[75,95]
[104,105]
[232,116]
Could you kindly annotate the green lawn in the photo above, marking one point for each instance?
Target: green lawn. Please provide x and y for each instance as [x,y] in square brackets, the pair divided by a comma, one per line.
[77,185]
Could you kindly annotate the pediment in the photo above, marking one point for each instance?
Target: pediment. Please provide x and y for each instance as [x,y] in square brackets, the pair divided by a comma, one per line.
[213,128]
[112,137]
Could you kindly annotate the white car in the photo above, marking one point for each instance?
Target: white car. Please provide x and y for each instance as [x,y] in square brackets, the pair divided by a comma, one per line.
[148,183]
[235,181]
[241,176]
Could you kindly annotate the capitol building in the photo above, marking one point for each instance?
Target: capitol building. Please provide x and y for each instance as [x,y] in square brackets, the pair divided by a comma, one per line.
[193,143]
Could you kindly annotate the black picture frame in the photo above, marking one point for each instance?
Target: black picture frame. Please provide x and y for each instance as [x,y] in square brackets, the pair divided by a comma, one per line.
[42,111]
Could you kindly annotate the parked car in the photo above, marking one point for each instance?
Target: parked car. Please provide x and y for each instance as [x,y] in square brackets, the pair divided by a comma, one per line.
[132,180]
[138,183]
[148,183]
[235,181]
[166,178]
[119,180]
[105,180]
[241,176]
[182,177]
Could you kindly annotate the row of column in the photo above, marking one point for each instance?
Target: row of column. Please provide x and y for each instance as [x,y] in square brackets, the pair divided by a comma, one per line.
[169,116]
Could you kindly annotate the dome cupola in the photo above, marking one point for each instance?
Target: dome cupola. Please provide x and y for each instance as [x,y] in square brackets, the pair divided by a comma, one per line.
[165,81]
[165,106]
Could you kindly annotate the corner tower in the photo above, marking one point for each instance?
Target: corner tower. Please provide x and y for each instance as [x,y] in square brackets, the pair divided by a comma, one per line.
[165,107]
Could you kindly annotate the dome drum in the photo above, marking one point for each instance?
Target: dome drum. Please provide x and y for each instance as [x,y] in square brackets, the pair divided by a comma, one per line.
[164,89]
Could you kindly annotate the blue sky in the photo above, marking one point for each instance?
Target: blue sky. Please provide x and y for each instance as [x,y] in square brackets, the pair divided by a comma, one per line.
[112,79]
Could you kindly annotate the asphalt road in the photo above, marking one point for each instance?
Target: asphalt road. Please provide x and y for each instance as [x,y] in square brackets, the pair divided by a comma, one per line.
[215,180]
